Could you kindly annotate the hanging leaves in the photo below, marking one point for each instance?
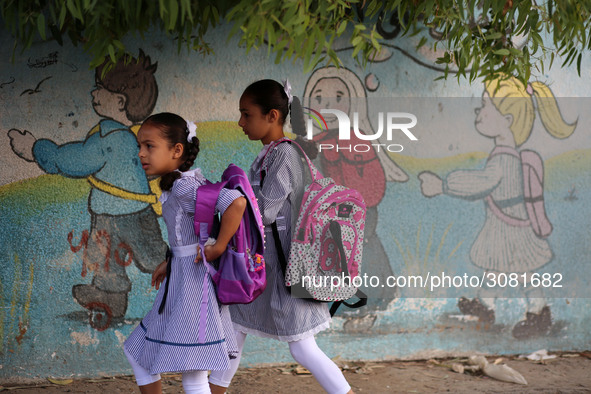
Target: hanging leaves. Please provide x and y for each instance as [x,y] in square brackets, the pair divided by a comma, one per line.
[476,38]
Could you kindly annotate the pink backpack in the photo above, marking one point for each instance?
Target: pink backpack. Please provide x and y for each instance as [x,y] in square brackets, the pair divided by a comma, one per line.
[327,243]
[533,193]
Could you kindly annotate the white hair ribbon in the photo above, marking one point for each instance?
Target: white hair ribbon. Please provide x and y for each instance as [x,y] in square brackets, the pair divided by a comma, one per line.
[287,89]
[192,127]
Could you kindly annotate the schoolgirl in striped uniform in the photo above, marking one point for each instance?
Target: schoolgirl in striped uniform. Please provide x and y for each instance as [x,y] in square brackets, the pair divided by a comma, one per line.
[275,314]
[186,330]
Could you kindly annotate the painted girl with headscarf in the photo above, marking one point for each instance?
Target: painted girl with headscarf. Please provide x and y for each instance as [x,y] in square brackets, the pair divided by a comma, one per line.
[366,171]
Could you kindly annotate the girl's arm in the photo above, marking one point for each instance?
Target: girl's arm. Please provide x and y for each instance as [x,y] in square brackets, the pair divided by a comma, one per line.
[231,203]
[229,225]
[474,184]
[159,274]
[466,184]
[79,158]
[391,170]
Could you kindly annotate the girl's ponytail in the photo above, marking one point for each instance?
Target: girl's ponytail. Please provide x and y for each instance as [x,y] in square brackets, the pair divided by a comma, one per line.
[511,96]
[167,180]
[550,114]
[296,114]
[298,126]
[191,152]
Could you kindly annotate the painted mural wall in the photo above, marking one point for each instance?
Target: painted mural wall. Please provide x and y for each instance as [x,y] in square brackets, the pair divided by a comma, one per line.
[478,213]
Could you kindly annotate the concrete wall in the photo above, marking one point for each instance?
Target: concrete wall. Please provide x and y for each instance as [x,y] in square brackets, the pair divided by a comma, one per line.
[49,247]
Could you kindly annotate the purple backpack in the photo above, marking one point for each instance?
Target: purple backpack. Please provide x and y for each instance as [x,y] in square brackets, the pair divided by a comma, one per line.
[239,274]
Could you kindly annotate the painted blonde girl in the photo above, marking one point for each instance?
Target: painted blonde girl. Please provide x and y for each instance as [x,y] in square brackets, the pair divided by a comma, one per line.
[506,116]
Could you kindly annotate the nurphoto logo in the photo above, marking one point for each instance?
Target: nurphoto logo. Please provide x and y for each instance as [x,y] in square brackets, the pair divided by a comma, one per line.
[394,122]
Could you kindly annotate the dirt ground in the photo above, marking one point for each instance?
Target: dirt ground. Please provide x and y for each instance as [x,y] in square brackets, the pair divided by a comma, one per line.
[567,373]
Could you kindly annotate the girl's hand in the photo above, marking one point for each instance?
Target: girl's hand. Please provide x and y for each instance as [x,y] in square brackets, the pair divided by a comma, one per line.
[214,251]
[159,274]
[198,258]
[431,184]
[22,143]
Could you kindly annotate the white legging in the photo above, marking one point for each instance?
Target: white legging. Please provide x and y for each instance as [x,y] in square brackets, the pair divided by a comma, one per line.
[307,353]
[194,382]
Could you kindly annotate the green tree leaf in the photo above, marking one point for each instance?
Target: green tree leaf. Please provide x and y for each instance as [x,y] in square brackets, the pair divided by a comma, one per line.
[476,35]
[41,25]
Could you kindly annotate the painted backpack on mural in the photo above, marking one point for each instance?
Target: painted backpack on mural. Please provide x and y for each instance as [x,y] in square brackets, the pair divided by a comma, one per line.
[239,274]
[533,193]
[327,243]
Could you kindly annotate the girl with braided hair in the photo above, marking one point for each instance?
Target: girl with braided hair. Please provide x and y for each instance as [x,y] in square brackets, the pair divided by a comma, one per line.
[186,330]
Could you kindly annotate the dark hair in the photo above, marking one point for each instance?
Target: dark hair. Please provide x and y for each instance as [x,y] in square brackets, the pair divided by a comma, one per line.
[174,130]
[269,94]
[134,78]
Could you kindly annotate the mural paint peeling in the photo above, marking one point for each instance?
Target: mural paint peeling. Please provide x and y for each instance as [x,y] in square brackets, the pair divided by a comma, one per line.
[79,234]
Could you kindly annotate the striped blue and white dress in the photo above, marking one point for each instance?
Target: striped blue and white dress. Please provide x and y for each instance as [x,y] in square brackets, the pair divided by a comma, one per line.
[193,332]
[275,313]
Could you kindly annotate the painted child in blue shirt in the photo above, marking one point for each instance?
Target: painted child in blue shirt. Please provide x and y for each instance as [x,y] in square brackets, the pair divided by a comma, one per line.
[124,227]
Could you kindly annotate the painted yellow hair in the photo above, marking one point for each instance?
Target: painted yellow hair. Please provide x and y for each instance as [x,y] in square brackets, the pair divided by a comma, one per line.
[511,97]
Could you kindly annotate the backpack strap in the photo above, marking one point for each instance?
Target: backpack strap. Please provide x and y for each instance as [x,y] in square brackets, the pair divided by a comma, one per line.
[205,202]
[253,224]
[362,302]
[315,175]
[279,247]
[510,220]
[168,272]
[501,149]
[313,170]
[335,229]
[533,192]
